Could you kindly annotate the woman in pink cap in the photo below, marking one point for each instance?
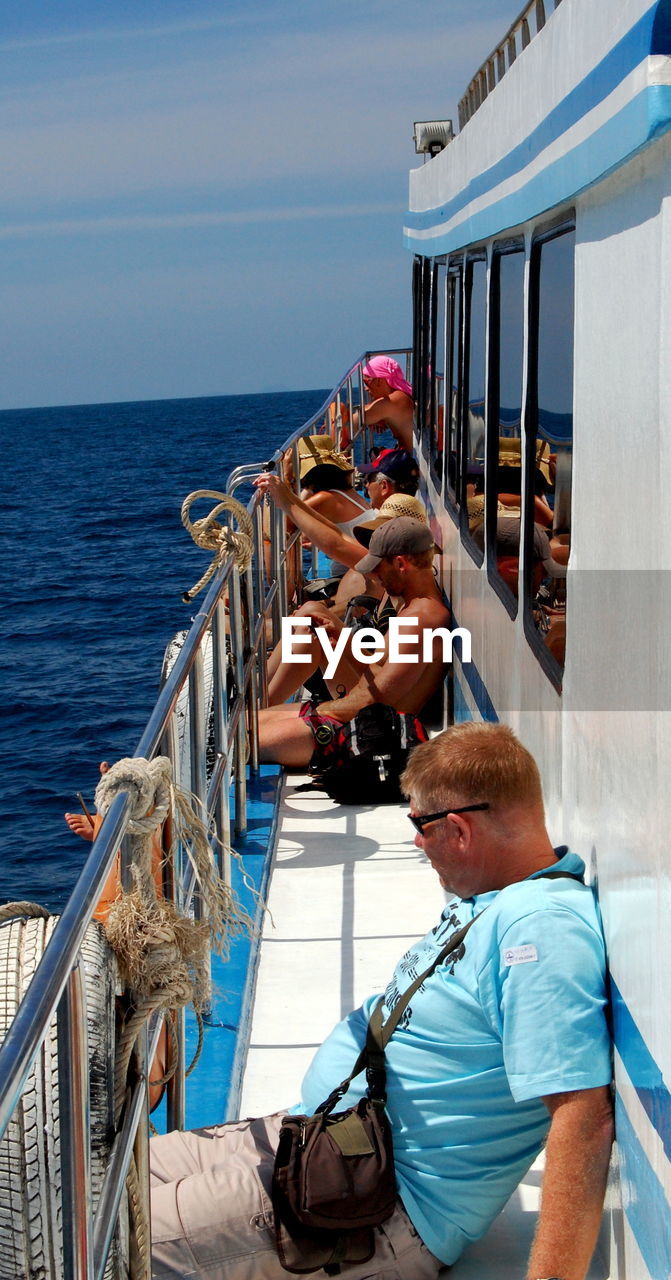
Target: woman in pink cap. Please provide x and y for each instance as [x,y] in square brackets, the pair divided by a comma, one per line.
[391,404]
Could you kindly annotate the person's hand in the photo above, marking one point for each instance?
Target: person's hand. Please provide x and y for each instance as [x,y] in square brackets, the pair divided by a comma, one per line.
[269,483]
[332,625]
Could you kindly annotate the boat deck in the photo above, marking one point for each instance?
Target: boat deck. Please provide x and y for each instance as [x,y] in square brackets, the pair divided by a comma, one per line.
[349,892]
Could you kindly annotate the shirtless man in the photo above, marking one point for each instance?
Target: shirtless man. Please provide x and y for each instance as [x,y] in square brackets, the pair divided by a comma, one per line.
[401,556]
[392,405]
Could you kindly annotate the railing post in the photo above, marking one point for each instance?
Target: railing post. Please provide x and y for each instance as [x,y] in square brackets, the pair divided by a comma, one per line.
[75,1129]
[279,568]
[259,598]
[221,743]
[172,882]
[253,695]
[237,644]
[141,1265]
[500,62]
[363,429]
[198,729]
[350,405]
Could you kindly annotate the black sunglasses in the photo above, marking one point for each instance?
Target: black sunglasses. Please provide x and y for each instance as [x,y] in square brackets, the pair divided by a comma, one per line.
[420,821]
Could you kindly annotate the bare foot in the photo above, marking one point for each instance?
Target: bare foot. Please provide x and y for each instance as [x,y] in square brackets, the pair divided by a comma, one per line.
[80,823]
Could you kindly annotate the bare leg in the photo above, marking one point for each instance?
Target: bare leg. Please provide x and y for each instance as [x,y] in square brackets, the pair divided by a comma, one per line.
[284,678]
[284,738]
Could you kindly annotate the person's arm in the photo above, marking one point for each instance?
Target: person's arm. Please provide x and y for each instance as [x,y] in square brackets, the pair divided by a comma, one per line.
[383,681]
[393,411]
[324,533]
[574,1183]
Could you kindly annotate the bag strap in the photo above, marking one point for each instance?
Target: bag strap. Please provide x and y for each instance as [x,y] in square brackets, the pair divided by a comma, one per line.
[378,1034]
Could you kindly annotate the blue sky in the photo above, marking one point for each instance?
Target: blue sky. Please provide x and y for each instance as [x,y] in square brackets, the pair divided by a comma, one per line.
[206,198]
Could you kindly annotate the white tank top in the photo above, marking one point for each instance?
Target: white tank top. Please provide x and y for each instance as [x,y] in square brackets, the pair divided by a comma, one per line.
[365,513]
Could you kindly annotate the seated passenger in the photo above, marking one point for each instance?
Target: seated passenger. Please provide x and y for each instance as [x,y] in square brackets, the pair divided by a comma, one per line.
[502,1050]
[323,532]
[401,556]
[392,404]
[390,471]
[325,535]
[327,476]
[353,583]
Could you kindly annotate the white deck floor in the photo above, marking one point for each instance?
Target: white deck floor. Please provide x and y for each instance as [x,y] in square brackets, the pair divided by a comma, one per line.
[349,892]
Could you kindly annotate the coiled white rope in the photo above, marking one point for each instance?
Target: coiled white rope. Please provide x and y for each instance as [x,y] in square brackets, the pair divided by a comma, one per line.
[149,784]
[162,955]
[210,534]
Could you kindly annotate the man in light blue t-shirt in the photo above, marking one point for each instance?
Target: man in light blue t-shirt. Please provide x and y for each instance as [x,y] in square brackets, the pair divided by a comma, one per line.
[499,1050]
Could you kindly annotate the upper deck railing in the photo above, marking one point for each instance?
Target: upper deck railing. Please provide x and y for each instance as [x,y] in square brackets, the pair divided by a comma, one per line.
[247,604]
[529,22]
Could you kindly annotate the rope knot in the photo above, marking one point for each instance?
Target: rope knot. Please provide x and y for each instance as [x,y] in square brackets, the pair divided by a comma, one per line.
[211,535]
[149,784]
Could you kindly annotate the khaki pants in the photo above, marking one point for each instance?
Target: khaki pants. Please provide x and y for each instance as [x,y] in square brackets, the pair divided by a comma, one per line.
[212,1212]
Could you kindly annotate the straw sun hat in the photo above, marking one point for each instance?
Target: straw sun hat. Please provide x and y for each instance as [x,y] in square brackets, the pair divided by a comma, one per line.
[399,504]
[320,451]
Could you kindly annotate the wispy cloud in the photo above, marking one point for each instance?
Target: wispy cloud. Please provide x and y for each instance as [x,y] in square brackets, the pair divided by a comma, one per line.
[124,148]
[104,35]
[191,221]
[291,108]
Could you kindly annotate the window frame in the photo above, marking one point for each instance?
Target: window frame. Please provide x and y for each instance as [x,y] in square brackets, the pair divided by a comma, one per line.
[472,258]
[436,457]
[565,225]
[454,300]
[500,249]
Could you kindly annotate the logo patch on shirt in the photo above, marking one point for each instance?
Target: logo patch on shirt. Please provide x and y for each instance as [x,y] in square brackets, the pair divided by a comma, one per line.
[520,955]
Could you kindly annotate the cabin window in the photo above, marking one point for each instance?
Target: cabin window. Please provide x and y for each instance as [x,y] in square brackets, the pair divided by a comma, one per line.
[548,446]
[437,379]
[454,378]
[475,381]
[504,456]
[416,324]
[422,290]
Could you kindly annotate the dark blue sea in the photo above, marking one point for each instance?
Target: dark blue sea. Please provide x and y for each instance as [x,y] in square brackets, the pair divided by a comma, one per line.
[93,567]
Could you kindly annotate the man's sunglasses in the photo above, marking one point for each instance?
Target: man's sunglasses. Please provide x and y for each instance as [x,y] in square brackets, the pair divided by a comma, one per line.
[422,820]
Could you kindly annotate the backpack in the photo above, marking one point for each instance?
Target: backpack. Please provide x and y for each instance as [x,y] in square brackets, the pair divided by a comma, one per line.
[362,761]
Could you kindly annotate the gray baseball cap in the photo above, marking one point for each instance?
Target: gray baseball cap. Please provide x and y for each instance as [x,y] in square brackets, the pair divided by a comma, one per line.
[402,536]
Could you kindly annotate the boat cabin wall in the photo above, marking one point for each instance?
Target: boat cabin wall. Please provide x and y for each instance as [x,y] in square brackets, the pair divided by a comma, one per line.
[601,726]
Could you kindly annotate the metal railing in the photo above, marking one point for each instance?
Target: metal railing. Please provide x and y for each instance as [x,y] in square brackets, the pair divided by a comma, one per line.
[256,600]
[530,21]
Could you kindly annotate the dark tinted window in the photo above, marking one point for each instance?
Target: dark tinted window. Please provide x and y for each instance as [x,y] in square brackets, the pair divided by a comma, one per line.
[507,369]
[437,423]
[453,377]
[473,409]
[549,442]
[477,336]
